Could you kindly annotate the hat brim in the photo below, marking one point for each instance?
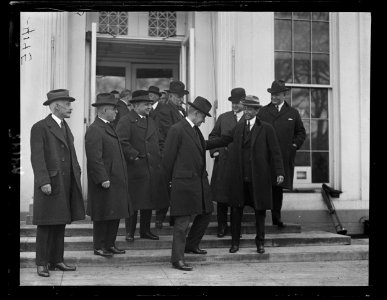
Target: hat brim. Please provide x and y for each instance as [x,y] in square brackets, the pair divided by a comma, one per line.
[179,93]
[194,106]
[66,98]
[141,100]
[278,91]
[157,93]
[232,99]
[103,103]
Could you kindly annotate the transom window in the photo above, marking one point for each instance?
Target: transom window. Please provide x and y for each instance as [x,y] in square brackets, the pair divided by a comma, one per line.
[114,22]
[162,24]
[302,60]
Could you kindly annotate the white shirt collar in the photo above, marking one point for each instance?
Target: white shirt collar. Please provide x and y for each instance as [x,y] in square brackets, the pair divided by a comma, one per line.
[190,122]
[252,121]
[239,115]
[56,119]
[103,120]
[155,105]
[280,105]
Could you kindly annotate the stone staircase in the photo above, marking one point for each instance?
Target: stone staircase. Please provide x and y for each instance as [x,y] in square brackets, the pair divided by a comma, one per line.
[288,244]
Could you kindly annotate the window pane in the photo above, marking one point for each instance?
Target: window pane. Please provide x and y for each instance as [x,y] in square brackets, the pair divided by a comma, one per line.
[283,35]
[301,15]
[301,36]
[320,69]
[154,73]
[112,71]
[324,16]
[301,68]
[306,144]
[320,167]
[319,134]
[283,66]
[283,15]
[320,37]
[302,159]
[300,101]
[319,105]
[106,84]
[162,24]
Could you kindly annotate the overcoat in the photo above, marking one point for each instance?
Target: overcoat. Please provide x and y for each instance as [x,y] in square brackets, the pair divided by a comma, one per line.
[167,115]
[106,161]
[51,155]
[139,137]
[265,160]
[224,126]
[122,110]
[289,130]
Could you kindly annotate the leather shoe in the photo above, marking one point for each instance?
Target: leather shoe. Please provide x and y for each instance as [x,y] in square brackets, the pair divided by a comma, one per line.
[129,238]
[260,247]
[103,252]
[222,231]
[195,251]
[43,271]
[115,250]
[61,266]
[159,224]
[233,249]
[180,265]
[149,235]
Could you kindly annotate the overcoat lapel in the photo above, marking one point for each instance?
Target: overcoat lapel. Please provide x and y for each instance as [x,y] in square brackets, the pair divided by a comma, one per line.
[256,131]
[151,128]
[191,132]
[55,129]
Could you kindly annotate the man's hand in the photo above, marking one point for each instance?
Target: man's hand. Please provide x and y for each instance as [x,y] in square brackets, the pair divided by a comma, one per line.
[280,179]
[105,184]
[46,189]
[215,154]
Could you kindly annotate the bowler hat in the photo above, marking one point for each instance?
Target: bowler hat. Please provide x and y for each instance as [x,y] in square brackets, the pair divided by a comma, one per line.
[105,99]
[55,95]
[278,86]
[154,90]
[202,105]
[177,87]
[251,101]
[237,94]
[140,96]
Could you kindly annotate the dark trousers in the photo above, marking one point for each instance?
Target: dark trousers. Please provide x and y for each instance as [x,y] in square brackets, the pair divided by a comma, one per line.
[221,211]
[277,194]
[49,244]
[105,233]
[145,220]
[195,235]
[237,214]
[161,214]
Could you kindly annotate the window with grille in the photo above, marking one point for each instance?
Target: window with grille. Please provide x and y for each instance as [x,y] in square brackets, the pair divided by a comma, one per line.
[302,60]
[162,24]
[114,22]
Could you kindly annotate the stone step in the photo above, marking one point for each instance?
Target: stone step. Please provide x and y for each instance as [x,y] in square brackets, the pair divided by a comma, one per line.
[208,241]
[134,257]
[86,229]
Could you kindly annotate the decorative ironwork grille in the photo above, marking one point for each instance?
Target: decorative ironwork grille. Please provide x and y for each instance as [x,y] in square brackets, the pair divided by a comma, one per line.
[114,22]
[162,24]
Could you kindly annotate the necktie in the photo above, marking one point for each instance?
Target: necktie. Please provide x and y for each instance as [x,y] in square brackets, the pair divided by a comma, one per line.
[248,126]
[62,126]
[197,134]
[277,107]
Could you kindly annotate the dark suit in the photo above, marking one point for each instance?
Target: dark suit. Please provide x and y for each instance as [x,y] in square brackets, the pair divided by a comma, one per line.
[139,138]
[253,157]
[54,162]
[184,163]
[290,130]
[165,115]
[106,162]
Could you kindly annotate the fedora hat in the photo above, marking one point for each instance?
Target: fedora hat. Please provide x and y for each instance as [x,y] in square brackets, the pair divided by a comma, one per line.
[237,94]
[202,105]
[154,90]
[55,95]
[105,99]
[140,96]
[278,86]
[177,87]
[251,101]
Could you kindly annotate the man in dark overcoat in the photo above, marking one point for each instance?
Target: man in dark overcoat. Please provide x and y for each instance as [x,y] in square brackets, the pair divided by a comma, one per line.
[108,194]
[291,134]
[57,182]
[122,105]
[223,126]
[166,115]
[139,139]
[254,155]
[184,163]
